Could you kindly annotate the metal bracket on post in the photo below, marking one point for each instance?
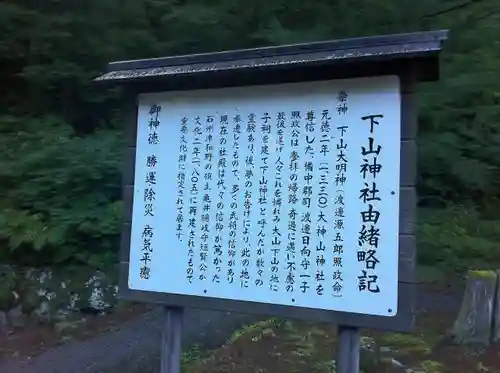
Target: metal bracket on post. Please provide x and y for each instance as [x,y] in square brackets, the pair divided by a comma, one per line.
[171,340]
[348,349]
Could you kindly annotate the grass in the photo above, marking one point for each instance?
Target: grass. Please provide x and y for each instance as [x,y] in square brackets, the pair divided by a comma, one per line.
[277,345]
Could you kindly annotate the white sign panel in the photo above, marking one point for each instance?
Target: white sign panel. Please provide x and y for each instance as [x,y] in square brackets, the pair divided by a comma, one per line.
[284,194]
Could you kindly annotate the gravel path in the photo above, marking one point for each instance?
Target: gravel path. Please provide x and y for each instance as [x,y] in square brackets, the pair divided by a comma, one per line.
[135,347]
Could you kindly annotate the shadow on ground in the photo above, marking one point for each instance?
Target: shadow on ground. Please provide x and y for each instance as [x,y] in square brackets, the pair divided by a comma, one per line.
[135,346]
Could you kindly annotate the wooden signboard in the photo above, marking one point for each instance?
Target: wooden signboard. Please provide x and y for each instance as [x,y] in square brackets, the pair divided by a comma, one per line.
[276,181]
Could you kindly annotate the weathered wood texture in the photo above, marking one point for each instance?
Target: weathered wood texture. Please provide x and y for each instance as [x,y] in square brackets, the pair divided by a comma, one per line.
[333,59]
[475,319]
[403,321]
[171,341]
[496,312]
[348,350]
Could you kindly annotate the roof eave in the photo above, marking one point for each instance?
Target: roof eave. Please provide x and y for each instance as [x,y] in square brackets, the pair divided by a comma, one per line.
[284,59]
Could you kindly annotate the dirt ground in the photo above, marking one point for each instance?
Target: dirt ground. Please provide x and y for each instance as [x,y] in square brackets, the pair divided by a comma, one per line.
[278,345]
[285,346]
[32,340]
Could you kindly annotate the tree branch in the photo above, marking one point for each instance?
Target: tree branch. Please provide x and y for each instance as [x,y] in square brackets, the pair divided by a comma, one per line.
[452,8]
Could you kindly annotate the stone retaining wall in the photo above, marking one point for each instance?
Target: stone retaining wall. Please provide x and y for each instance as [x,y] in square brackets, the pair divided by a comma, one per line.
[47,295]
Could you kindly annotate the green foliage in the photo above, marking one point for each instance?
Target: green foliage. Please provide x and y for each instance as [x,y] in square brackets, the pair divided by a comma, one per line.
[63,192]
[60,200]
[460,137]
[458,238]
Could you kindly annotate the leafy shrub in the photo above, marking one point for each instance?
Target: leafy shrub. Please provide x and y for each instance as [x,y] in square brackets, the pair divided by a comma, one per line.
[61,193]
[457,238]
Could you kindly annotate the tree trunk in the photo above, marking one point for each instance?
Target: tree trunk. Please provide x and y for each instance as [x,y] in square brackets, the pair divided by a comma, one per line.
[475,319]
[496,312]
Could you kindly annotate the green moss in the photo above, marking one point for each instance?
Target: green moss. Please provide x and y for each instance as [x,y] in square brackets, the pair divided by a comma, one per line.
[405,342]
[431,366]
[328,366]
[257,330]
[7,299]
[8,284]
[483,273]
[304,348]
[192,356]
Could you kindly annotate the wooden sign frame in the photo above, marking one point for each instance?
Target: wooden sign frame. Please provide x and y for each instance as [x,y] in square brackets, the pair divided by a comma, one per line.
[412,57]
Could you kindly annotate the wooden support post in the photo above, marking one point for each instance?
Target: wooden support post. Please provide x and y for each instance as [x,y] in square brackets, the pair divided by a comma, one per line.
[348,349]
[171,341]
[496,312]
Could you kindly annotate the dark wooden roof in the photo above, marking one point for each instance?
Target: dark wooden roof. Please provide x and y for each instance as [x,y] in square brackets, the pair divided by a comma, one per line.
[375,55]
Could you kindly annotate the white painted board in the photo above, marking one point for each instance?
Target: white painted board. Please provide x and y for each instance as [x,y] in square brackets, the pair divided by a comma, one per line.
[266,194]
